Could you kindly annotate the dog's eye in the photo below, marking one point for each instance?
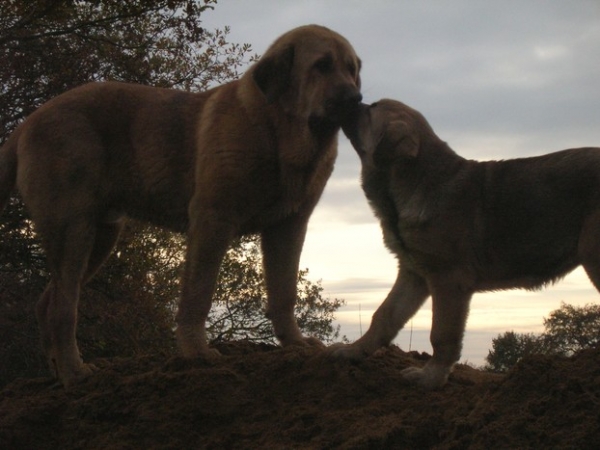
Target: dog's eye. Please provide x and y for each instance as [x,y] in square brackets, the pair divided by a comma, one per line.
[352,69]
[324,64]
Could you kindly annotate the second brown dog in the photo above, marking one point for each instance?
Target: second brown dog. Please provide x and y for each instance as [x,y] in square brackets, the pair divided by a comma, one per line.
[459,226]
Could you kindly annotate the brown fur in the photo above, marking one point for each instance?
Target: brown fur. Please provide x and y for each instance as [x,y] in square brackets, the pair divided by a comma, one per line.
[249,156]
[459,226]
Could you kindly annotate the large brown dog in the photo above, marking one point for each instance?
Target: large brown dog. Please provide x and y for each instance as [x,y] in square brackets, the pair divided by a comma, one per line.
[250,156]
[459,226]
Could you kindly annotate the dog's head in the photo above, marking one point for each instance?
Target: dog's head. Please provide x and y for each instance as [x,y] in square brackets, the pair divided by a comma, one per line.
[312,73]
[387,131]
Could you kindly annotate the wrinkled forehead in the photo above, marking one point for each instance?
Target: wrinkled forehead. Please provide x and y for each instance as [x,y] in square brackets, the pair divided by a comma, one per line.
[387,111]
[390,110]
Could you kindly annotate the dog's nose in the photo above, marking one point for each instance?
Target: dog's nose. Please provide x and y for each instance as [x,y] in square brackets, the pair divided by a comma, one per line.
[348,103]
[351,98]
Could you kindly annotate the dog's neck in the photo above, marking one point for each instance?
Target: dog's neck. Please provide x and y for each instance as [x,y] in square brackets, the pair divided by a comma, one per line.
[438,157]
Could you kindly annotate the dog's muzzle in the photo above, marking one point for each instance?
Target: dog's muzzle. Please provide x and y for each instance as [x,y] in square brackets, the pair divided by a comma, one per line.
[344,103]
[352,118]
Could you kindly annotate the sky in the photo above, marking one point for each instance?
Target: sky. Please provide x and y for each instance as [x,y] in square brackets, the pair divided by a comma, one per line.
[496,80]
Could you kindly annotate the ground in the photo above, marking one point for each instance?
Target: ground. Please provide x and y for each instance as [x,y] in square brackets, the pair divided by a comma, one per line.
[258,396]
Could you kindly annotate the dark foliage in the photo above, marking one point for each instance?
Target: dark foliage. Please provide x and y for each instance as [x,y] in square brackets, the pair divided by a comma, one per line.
[568,330]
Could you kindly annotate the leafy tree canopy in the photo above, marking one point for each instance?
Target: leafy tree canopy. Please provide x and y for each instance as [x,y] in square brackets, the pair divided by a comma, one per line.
[568,330]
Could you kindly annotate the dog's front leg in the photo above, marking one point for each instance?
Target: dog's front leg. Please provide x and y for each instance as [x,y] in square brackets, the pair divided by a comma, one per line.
[281,247]
[404,300]
[450,302]
[208,240]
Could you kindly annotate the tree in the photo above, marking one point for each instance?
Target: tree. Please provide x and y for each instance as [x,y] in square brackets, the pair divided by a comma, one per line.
[572,328]
[509,348]
[240,301]
[568,330]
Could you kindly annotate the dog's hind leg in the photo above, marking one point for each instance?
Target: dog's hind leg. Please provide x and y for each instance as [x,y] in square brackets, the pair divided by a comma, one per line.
[106,237]
[406,297]
[68,246]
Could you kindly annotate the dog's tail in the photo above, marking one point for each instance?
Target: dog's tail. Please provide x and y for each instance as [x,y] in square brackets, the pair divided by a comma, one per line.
[8,169]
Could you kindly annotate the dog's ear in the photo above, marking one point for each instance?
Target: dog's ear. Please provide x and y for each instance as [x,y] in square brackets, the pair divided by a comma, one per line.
[399,137]
[272,73]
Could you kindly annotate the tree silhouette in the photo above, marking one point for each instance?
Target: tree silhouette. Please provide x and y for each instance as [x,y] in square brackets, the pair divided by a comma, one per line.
[568,330]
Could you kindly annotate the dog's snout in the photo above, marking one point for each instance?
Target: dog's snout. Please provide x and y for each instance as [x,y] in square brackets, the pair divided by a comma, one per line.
[342,101]
[351,120]
[346,101]
[353,97]
[350,97]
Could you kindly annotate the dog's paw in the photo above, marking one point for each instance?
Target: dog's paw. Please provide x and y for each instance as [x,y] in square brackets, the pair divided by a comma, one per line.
[302,341]
[210,353]
[78,375]
[347,351]
[192,343]
[429,377]
[313,342]
[206,353]
[199,351]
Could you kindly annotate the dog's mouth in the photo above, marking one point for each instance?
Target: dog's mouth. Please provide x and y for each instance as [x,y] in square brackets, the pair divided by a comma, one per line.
[343,107]
[336,111]
[351,124]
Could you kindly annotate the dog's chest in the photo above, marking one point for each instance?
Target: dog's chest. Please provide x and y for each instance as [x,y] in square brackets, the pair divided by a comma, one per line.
[384,208]
[402,215]
[302,187]
[290,190]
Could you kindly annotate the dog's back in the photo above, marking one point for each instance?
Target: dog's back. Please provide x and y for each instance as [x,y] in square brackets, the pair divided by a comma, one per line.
[134,143]
[533,213]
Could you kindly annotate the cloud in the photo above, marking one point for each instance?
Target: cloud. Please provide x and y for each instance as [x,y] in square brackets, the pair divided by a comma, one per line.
[354,285]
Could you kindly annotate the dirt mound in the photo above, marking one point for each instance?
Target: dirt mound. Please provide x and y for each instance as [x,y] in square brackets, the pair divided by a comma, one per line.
[265,397]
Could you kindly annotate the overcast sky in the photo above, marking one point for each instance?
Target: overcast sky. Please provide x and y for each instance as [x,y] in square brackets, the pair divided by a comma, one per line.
[496,80]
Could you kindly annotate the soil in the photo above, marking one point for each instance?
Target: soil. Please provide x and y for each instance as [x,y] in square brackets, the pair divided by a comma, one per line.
[259,396]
